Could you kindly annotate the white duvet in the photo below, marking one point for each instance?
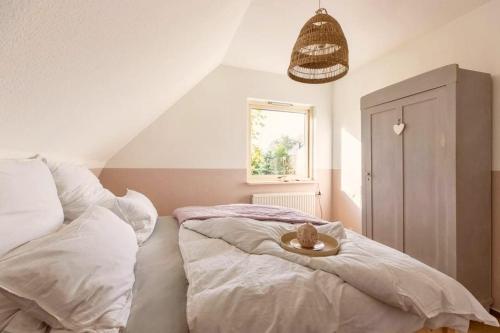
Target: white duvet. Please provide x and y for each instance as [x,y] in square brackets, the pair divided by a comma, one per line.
[78,279]
[241,280]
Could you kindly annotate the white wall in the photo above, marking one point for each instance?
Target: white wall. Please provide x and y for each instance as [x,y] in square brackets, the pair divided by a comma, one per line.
[207,128]
[469,41]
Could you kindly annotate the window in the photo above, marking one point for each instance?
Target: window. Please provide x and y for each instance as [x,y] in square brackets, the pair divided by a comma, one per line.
[280,142]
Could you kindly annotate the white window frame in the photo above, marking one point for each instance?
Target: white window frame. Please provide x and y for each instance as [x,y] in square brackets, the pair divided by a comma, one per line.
[309,128]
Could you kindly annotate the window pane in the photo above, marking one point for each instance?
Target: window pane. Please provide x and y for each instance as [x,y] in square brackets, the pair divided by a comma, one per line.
[279,143]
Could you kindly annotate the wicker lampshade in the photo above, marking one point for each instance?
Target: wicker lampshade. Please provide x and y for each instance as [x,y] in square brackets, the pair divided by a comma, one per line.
[320,53]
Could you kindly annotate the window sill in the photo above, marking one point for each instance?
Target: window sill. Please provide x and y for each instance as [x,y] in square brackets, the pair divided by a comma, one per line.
[279,182]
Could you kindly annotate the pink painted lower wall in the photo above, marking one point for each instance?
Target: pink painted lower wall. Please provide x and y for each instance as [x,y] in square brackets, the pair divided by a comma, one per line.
[173,188]
[343,209]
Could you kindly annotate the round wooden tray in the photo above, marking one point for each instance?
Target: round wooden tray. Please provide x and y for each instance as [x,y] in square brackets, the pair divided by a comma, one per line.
[331,247]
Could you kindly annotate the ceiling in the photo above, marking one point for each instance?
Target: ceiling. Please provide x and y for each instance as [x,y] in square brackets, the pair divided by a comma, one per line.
[80,79]
[269,28]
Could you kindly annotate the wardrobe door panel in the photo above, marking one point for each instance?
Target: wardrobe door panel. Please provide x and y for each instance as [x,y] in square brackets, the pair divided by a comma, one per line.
[386,177]
[428,165]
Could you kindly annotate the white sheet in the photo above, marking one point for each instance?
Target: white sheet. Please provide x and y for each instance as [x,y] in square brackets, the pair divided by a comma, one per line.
[159,303]
[240,280]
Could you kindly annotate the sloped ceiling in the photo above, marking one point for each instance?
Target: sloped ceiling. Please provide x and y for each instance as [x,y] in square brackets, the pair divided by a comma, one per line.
[80,79]
[373,27]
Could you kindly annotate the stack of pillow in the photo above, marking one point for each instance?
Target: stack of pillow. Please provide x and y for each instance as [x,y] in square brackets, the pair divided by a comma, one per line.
[67,248]
[37,197]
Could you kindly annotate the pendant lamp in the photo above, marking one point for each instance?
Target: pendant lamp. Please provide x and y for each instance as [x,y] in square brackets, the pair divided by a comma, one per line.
[320,53]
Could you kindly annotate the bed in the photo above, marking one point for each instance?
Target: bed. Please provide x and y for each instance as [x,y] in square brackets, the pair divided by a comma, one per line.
[241,280]
[160,289]
[159,303]
[164,302]
[222,270]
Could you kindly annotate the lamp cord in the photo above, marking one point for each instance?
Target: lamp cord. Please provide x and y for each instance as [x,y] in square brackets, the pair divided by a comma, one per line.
[318,197]
[320,9]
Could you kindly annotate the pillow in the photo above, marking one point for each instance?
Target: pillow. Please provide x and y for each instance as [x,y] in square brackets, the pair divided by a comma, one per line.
[78,188]
[137,210]
[79,278]
[29,206]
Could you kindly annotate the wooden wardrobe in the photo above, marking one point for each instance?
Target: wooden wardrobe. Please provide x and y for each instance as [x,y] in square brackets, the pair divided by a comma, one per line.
[426,146]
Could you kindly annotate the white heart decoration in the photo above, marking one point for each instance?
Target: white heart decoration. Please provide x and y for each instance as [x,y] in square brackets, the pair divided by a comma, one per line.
[399,128]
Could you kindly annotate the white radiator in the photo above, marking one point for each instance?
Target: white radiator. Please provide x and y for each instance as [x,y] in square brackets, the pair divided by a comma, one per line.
[304,201]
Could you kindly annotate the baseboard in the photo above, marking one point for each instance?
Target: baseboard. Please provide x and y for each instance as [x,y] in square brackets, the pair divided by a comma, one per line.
[495,312]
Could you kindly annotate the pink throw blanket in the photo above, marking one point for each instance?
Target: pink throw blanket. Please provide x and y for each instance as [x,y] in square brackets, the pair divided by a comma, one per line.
[255,212]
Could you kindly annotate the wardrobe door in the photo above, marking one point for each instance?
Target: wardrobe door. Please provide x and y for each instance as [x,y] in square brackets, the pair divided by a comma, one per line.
[428,160]
[383,172]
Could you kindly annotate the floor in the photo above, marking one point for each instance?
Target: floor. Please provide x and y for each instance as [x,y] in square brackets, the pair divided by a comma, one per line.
[478,328]
[474,328]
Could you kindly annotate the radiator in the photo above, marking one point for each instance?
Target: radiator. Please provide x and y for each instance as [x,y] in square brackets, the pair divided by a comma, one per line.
[304,201]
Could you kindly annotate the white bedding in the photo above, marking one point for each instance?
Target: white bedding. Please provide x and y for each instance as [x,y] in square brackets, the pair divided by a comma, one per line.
[240,280]
[78,279]
[29,206]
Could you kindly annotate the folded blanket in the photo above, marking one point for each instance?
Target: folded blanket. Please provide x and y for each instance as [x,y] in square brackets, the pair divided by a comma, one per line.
[255,212]
[236,265]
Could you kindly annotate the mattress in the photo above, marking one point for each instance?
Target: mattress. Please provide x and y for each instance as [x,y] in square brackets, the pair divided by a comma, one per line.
[159,303]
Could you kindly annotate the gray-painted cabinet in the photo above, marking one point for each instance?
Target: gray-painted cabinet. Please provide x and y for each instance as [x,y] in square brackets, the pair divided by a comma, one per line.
[426,146]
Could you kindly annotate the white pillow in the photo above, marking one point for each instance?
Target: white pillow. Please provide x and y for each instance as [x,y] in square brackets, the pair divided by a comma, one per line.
[29,207]
[137,210]
[78,188]
[79,278]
